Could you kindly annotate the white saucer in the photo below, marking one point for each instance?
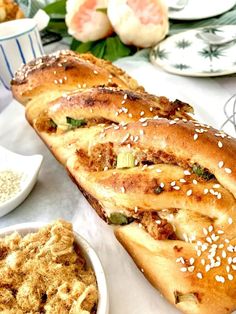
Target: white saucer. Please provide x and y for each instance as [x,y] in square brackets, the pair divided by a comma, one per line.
[28,166]
[186,54]
[201,9]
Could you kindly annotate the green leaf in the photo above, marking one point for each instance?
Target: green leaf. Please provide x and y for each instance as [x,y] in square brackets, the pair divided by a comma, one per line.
[103,10]
[98,49]
[57,7]
[57,26]
[115,49]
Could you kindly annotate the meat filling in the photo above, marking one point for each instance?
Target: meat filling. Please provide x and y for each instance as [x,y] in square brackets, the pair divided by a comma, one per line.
[159,229]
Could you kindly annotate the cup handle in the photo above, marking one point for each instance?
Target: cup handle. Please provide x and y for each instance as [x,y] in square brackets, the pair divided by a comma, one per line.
[42,19]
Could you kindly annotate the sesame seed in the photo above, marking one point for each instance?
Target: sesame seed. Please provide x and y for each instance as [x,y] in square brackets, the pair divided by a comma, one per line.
[158,222]
[203,262]
[176,187]
[220,164]
[220,232]
[125,96]
[191,261]
[141,132]
[195,137]
[194,181]
[182,180]
[183,269]
[172,122]
[162,185]
[228,170]
[210,228]
[105,168]
[136,209]
[230,221]
[142,270]
[219,196]
[233,267]
[141,113]
[223,254]
[205,191]
[216,186]
[230,277]
[130,115]
[205,231]
[220,145]
[172,183]
[95,72]
[158,170]
[189,192]
[191,269]
[207,268]
[122,189]
[151,109]
[187,173]
[199,275]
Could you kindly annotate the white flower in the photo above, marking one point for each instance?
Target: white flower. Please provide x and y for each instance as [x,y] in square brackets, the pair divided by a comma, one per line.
[85,22]
[142,23]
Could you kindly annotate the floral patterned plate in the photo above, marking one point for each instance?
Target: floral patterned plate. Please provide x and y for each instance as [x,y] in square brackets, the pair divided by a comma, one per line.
[187,54]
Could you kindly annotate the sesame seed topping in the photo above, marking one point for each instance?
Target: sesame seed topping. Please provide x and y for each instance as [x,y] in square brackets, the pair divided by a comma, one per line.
[228,170]
[172,183]
[220,278]
[194,181]
[158,170]
[230,277]
[205,231]
[189,192]
[176,187]
[220,164]
[191,269]
[195,137]
[141,132]
[182,180]
[220,145]
[136,209]
[230,221]
[187,173]
[183,269]
[216,186]
[199,275]
[95,72]
[141,113]
[162,185]
[210,228]
[205,191]
[122,189]
[191,261]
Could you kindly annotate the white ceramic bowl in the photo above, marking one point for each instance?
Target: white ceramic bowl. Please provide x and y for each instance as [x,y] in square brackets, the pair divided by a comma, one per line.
[28,166]
[87,251]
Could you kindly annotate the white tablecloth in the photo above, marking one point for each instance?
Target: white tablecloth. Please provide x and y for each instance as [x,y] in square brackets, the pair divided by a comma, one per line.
[55,196]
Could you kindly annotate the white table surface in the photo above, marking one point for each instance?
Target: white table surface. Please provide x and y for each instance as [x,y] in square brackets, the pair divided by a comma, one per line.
[55,196]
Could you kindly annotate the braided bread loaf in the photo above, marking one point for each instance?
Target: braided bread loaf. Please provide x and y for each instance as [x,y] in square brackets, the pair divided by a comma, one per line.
[142,162]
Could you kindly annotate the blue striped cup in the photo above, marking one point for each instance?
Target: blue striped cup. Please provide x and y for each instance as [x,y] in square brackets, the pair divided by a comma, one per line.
[20,42]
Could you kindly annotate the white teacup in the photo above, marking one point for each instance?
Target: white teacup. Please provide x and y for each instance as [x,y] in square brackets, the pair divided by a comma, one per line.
[20,42]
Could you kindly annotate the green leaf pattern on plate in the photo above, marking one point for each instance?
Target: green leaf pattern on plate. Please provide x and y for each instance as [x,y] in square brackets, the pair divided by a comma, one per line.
[183,43]
[212,52]
[181,66]
[160,53]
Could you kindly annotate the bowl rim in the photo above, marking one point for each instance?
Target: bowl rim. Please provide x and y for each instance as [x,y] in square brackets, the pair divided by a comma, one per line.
[87,250]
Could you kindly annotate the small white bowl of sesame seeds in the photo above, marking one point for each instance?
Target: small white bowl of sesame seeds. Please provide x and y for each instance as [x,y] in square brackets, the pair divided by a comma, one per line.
[18,175]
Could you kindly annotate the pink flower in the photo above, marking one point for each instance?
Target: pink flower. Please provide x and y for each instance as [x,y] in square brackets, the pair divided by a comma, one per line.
[142,23]
[85,22]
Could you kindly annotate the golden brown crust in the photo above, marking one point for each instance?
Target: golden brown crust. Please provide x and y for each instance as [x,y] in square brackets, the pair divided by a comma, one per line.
[66,71]
[187,141]
[188,280]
